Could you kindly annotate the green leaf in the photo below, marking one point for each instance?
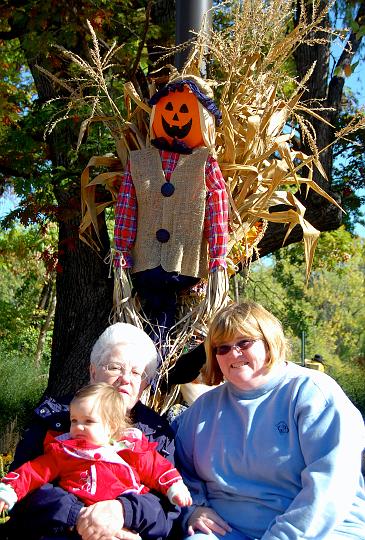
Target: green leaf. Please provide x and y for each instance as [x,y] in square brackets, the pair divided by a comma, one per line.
[361,32]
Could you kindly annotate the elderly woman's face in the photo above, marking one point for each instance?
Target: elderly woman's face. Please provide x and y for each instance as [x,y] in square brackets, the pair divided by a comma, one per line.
[243,361]
[124,369]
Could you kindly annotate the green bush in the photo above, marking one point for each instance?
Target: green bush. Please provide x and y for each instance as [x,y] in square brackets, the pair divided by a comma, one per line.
[351,378]
[22,385]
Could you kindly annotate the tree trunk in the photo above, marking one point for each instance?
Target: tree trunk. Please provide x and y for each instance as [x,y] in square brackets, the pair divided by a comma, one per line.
[46,294]
[84,303]
[320,213]
[48,301]
[84,289]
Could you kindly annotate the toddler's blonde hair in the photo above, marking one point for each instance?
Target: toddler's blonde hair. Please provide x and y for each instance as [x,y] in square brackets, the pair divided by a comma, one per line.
[110,405]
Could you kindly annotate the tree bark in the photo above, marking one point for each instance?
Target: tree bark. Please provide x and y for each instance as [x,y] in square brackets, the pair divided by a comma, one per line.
[316,94]
[84,303]
[48,301]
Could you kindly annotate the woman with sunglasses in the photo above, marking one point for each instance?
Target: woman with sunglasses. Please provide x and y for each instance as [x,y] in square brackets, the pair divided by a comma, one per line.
[273,453]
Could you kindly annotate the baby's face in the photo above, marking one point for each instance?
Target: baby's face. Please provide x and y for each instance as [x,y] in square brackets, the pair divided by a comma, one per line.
[86,423]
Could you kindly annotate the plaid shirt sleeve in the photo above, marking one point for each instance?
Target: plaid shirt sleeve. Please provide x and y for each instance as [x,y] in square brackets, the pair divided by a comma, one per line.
[125,228]
[216,215]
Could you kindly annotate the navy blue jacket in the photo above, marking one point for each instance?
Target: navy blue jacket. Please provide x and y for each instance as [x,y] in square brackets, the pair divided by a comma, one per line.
[50,511]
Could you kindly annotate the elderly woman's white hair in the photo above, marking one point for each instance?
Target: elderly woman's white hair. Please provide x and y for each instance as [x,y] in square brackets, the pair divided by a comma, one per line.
[130,336]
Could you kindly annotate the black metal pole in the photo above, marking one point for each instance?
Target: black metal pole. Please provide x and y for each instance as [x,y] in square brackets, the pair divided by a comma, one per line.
[189,16]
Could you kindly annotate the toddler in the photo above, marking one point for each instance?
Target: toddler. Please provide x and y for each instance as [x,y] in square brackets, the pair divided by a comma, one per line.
[99,459]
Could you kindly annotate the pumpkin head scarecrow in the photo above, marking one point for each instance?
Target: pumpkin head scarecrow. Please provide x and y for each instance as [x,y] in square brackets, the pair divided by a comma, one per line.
[172,210]
[178,120]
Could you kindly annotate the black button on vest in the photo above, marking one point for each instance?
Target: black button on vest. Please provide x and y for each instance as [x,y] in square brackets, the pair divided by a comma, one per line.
[163,236]
[167,189]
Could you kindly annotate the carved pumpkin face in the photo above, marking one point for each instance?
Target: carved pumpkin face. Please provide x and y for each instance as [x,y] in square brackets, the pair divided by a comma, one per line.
[176,116]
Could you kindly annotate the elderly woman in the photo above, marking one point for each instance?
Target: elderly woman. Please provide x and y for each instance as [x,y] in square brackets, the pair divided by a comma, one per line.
[125,357]
[273,453]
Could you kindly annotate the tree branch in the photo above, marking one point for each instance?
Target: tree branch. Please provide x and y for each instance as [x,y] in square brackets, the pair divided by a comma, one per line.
[349,148]
[6,170]
[353,42]
[142,41]
[337,82]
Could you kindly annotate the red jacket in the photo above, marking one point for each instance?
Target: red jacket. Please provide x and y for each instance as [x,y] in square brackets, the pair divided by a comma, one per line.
[96,473]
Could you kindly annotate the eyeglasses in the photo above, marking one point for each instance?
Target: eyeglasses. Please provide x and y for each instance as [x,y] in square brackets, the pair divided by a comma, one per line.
[241,345]
[115,370]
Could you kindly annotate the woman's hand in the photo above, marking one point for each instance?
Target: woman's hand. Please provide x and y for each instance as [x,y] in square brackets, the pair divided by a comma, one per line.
[103,521]
[123,534]
[206,520]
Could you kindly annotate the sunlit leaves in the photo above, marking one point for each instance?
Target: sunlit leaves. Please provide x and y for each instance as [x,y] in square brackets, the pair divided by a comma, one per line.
[27,259]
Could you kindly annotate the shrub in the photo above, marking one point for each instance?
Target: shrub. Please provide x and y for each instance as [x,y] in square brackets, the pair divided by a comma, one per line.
[351,378]
[22,385]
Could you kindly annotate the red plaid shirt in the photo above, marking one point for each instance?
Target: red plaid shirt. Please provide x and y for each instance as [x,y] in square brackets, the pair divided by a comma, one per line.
[215,221]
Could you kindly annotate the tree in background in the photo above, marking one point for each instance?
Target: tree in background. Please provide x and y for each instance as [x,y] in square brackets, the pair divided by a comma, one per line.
[325,88]
[46,174]
[349,170]
[27,302]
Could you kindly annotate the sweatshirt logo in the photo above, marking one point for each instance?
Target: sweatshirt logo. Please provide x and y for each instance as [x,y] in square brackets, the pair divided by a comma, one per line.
[282,427]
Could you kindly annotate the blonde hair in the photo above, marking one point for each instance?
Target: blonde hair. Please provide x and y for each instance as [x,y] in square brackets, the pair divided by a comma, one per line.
[110,405]
[251,320]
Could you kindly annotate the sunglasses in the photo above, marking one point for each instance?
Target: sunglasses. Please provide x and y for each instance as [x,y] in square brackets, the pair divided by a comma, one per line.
[241,345]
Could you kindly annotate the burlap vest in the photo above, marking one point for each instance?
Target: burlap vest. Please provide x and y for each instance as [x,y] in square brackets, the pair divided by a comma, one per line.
[181,214]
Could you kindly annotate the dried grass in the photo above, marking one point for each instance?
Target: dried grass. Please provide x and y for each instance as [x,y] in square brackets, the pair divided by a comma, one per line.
[9,439]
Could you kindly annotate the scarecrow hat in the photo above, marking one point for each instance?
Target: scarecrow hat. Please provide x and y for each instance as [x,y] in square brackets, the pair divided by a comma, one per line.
[198,86]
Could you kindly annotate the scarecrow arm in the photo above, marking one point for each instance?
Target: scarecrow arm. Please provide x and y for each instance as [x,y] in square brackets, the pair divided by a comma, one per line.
[125,221]
[216,215]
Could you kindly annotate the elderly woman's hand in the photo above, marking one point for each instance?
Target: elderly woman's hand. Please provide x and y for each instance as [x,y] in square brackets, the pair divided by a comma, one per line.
[206,520]
[123,534]
[103,521]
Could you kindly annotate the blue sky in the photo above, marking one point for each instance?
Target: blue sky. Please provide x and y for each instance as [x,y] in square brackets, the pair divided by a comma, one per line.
[356,83]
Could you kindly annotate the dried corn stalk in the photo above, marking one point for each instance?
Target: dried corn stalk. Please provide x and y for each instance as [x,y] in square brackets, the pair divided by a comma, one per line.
[254,145]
